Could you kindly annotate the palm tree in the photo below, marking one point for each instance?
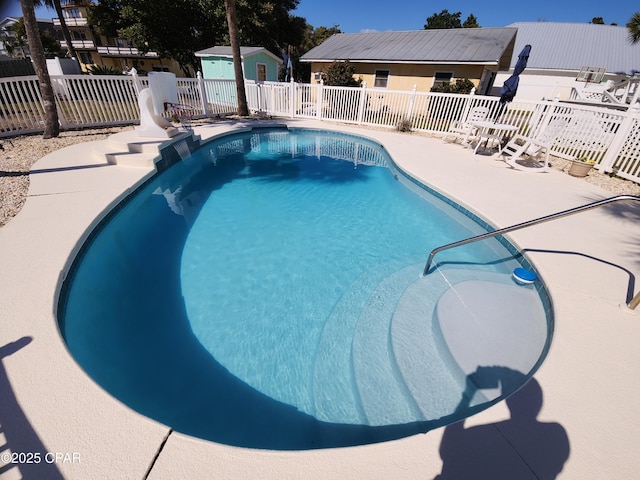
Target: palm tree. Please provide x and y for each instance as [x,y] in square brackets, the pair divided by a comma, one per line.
[230,6]
[51,126]
[634,28]
[55,4]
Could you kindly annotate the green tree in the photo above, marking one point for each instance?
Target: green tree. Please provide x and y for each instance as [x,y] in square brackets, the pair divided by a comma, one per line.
[597,20]
[50,46]
[471,22]
[106,17]
[341,74]
[633,26]
[172,28]
[178,28]
[444,19]
[51,125]
[269,24]
[311,37]
[315,36]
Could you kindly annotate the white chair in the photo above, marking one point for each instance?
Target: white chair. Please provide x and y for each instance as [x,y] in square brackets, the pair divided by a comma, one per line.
[521,152]
[464,129]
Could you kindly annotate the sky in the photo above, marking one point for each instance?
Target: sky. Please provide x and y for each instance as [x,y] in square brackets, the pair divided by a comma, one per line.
[379,15]
[383,15]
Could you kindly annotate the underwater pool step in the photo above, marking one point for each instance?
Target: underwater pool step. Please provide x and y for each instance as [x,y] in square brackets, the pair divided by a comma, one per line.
[490,324]
[335,393]
[453,309]
[383,395]
[418,348]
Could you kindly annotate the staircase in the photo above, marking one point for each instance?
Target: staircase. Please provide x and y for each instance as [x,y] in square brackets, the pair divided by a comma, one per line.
[128,149]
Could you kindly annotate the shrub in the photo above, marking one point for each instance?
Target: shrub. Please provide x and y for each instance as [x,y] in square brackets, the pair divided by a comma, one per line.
[103,70]
[461,85]
[340,74]
[404,125]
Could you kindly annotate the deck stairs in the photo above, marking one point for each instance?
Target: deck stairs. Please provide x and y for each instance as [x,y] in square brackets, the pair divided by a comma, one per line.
[128,149]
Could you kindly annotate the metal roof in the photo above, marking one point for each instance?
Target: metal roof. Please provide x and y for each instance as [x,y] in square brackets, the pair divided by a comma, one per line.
[459,45]
[570,46]
[221,51]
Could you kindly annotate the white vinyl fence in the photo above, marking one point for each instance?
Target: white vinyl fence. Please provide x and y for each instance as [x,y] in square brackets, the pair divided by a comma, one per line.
[608,136]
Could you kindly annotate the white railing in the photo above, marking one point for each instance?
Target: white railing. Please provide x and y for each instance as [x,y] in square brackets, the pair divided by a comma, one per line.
[608,136]
[71,22]
[83,44]
[124,51]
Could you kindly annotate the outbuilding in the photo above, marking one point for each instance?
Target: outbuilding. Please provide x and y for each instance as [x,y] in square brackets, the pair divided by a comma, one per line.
[258,63]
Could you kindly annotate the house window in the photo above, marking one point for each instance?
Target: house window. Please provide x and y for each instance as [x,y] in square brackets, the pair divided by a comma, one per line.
[72,13]
[381,79]
[261,72]
[85,57]
[442,78]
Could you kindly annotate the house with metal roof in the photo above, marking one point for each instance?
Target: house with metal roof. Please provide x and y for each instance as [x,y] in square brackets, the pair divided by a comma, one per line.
[424,58]
[571,55]
[258,63]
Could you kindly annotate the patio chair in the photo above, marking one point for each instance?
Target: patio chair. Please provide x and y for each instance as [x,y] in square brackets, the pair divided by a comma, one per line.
[522,152]
[465,129]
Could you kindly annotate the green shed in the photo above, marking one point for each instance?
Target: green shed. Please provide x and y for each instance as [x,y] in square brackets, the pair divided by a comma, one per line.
[258,63]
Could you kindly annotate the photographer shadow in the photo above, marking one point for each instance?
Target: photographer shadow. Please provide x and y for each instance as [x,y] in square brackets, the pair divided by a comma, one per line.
[521,447]
[22,453]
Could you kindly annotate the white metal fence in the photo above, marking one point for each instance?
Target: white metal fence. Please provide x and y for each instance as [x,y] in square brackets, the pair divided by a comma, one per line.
[610,137]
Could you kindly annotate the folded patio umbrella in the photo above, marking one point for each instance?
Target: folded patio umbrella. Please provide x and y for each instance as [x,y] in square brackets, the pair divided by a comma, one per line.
[510,86]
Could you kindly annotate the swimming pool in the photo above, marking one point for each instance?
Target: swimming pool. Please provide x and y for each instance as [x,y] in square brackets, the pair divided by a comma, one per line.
[266,292]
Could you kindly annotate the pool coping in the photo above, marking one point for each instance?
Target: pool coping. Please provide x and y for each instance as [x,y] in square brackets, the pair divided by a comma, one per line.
[587,271]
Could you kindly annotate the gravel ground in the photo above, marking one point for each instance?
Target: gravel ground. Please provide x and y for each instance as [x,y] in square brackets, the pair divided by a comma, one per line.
[19,153]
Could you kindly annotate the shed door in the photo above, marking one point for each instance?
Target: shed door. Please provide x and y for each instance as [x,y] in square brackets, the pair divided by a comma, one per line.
[261,72]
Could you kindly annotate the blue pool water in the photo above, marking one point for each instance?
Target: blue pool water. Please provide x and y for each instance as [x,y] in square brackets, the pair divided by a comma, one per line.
[266,292]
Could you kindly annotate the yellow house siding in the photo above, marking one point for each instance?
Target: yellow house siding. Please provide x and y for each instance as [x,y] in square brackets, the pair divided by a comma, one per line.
[405,76]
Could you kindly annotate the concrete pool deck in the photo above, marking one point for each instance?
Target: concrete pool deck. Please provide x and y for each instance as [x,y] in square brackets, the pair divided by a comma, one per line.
[52,411]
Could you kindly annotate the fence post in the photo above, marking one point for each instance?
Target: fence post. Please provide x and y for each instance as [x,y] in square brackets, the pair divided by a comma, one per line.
[292,98]
[362,103]
[136,80]
[319,100]
[56,81]
[467,105]
[412,101]
[204,102]
[609,159]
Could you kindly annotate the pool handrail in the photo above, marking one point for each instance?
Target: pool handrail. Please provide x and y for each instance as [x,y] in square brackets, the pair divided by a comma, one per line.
[620,198]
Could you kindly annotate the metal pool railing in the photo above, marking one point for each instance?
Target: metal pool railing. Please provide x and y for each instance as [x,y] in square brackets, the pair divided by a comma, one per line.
[565,213]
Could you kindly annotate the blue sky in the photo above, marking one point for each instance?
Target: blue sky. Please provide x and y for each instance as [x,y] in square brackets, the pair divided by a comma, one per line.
[381,15]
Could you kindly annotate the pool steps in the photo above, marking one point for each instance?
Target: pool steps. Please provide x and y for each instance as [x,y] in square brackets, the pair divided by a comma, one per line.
[129,149]
[377,377]
[385,363]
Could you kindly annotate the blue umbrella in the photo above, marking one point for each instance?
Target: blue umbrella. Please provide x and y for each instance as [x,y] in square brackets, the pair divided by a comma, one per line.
[510,86]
